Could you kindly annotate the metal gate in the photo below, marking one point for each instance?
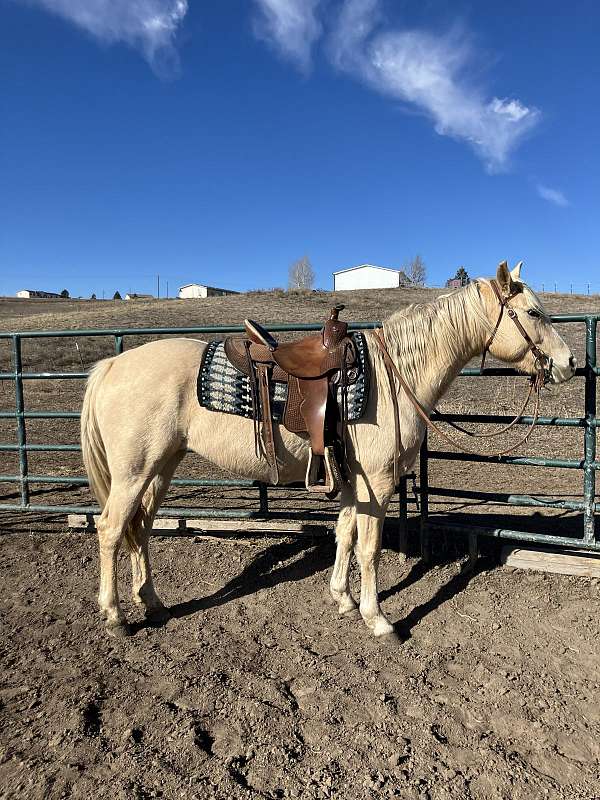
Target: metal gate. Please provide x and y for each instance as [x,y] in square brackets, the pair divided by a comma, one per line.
[588,423]
[588,465]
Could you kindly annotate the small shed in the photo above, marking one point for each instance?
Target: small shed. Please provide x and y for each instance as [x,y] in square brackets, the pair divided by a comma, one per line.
[369,276]
[134,296]
[196,290]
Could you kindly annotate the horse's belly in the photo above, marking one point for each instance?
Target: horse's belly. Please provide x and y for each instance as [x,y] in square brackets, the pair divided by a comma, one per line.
[227,441]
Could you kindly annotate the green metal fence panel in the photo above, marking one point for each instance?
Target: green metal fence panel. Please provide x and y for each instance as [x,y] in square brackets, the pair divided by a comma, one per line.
[589,423]
[22,447]
[588,464]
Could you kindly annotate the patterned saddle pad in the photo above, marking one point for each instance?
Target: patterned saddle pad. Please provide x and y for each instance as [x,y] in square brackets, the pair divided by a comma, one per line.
[221,387]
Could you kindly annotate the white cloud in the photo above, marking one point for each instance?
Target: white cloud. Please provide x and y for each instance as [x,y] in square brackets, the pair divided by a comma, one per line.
[552,195]
[149,25]
[290,25]
[430,72]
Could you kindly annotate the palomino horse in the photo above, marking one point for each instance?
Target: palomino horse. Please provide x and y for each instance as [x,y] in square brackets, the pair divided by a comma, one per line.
[141,413]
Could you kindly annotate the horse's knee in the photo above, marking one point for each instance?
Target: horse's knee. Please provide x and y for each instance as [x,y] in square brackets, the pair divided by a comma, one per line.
[345,529]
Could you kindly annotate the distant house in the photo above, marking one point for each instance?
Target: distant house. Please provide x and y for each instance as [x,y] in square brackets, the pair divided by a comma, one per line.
[196,290]
[369,276]
[457,283]
[134,296]
[29,293]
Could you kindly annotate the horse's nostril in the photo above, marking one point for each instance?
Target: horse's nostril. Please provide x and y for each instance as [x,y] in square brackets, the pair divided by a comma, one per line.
[573,363]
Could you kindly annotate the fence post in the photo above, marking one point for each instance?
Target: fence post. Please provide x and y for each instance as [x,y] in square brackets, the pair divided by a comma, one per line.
[403,517]
[589,450]
[20,415]
[263,499]
[424,491]
[118,343]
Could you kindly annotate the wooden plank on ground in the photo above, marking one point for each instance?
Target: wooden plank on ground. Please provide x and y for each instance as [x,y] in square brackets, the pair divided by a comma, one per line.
[243,526]
[565,562]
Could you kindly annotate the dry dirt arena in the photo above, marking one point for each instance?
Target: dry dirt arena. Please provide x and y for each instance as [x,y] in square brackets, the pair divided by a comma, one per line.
[255,688]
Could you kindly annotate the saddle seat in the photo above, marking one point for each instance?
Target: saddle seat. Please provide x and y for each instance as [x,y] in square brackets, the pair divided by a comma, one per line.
[313,367]
[309,357]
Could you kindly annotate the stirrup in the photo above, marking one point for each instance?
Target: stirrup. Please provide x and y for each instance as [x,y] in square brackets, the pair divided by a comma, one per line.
[323,474]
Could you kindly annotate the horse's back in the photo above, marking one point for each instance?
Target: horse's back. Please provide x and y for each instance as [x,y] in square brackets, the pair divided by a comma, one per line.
[155,381]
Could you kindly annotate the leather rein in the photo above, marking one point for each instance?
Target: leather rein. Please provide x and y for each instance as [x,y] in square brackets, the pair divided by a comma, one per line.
[542,362]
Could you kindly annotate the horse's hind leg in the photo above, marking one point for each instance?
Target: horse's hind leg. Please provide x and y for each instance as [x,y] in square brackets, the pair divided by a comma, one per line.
[345,536]
[122,504]
[142,584]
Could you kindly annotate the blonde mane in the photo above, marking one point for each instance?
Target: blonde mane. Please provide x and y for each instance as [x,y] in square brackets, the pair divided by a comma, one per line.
[448,330]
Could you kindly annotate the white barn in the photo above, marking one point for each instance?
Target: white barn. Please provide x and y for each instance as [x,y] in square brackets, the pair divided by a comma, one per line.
[29,293]
[196,290]
[369,276]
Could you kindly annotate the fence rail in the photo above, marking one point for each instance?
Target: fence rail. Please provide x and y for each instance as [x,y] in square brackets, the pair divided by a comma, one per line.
[588,423]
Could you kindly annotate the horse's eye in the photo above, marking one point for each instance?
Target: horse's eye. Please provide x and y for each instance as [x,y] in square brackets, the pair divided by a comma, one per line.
[533,313]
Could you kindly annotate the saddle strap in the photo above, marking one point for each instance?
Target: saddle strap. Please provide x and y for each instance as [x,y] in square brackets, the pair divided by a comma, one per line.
[266,428]
[397,434]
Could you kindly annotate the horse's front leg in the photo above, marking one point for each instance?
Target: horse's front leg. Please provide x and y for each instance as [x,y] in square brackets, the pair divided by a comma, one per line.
[345,535]
[372,498]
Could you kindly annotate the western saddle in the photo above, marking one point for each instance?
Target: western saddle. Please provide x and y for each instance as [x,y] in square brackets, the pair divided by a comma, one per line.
[313,367]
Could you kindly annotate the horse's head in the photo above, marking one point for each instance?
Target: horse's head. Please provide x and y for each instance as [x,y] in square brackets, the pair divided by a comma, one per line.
[524,336]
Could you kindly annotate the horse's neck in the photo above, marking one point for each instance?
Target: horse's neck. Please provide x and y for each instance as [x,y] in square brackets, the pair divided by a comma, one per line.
[451,342]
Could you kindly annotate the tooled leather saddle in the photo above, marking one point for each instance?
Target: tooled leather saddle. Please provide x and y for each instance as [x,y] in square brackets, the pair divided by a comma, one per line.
[314,368]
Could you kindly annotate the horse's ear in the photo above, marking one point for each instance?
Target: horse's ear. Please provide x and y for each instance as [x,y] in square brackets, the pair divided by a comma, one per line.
[515,273]
[504,278]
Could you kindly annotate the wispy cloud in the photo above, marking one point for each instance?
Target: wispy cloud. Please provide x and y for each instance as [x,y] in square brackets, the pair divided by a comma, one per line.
[148,25]
[430,72]
[291,26]
[552,195]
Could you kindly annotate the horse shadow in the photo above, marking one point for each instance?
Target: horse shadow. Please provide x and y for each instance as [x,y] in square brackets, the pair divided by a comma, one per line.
[298,559]
[269,568]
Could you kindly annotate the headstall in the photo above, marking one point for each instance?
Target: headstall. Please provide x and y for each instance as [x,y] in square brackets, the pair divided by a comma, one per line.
[543,366]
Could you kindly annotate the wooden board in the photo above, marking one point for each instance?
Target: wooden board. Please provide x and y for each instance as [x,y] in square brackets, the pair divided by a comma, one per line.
[566,562]
[164,525]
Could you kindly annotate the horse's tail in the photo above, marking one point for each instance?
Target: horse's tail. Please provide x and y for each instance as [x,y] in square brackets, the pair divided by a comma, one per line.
[92,444]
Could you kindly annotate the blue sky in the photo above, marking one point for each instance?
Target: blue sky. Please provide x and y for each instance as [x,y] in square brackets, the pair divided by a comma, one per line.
[218,142]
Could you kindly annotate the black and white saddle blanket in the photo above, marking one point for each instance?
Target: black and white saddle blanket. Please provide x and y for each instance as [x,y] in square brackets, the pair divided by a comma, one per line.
[221,387]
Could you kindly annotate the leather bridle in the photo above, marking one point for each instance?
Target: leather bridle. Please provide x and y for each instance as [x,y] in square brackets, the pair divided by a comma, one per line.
[543,364]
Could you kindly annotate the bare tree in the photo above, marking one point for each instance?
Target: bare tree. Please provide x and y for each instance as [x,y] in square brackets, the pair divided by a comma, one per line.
[301,274]
[417,272]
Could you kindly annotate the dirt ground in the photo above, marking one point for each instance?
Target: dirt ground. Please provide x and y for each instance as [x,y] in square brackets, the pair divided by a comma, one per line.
[255,688]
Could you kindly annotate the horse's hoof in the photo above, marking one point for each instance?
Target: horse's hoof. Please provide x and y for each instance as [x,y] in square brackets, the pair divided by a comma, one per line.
[350,613]
[389,639]
[119,630]
[158,615]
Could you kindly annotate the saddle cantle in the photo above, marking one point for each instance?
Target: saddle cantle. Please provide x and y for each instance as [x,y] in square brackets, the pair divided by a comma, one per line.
[314,367]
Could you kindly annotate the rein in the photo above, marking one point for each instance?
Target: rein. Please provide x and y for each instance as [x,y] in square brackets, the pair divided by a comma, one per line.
[536,383]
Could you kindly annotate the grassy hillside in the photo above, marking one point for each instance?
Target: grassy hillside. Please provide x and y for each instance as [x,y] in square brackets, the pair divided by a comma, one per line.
[268,307]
